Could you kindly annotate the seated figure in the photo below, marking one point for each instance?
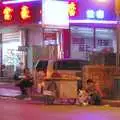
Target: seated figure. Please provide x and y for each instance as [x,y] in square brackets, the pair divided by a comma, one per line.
[94,93]
[83,97]
[25,82]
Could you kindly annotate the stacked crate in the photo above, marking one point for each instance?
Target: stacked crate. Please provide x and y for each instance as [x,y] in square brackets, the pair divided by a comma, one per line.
[102,75]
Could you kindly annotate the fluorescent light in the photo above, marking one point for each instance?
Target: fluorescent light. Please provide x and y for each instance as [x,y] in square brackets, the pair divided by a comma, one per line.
[94,21]
[17,1]
[102,1]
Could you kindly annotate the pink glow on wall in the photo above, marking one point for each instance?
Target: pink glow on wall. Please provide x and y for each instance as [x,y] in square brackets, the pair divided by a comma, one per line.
[66,43]
[94,21]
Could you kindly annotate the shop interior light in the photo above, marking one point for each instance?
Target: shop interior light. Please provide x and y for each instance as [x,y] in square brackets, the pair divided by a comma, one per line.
[90,14]
[100,14]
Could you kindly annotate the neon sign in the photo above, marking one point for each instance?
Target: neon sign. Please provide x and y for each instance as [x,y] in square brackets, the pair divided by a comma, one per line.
[91,14]
[21,13]
[25,13]
[7,13]
[94,10]
[72,9]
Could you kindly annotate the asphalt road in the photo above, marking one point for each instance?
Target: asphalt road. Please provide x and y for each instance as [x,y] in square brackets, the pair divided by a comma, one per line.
[11,110]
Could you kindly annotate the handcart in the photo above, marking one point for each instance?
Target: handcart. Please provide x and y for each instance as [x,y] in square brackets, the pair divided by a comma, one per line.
[63,92]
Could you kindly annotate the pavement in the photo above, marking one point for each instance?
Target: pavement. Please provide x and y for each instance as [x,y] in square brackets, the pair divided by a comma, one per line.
[16,109]
[10,91]
[10,110]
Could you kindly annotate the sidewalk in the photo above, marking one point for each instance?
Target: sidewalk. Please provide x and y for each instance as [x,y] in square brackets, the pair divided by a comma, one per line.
[8,90]
[114,103]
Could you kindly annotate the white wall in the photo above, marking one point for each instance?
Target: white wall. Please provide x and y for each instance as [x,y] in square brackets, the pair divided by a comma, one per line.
[35,36]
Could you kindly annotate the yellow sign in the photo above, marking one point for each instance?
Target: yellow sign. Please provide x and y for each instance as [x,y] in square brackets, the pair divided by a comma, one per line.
[25,12]
[72,9]
[7,12]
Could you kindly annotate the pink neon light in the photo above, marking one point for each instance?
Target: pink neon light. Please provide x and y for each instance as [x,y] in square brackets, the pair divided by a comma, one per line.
[94,21]
[18,1]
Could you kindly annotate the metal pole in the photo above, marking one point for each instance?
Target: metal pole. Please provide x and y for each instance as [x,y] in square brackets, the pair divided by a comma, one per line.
[118,43]
[26,45]
[94,37]
[1,55]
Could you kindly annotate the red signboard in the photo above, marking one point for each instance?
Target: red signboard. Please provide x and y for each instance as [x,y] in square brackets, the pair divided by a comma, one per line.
[50,36]
[21,13]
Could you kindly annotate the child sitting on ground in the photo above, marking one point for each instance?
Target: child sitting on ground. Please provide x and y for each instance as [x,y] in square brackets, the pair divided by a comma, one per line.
[94,92]
[83,98]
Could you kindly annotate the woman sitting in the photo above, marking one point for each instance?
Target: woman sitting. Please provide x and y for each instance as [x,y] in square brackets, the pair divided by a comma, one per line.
[94,93]
[25,82]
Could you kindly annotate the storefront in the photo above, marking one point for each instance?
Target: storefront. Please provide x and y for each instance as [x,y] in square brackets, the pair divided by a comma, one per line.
[16,20]
[11,57]
[31,32]
[85,40]
[93,28]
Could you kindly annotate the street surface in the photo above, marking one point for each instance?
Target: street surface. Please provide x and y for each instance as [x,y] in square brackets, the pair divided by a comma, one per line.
[14,109]
[9,89]
[11,110]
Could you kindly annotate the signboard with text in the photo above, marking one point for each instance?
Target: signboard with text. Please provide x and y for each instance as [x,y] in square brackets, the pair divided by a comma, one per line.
[92,10]
[21,13]
[50,38]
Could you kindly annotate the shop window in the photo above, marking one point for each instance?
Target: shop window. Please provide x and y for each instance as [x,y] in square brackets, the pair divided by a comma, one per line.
[105,38]
[81,42]
[104,42]
[84,48]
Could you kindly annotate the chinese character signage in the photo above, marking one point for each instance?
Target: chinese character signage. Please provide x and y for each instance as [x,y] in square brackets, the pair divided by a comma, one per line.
[21,13]
[91,10]
[25,12]
[7,13]
[72,8]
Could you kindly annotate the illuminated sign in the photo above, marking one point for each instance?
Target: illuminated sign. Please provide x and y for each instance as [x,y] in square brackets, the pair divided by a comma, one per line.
[72,8]
[21,13]
[90,14]
[55,14]
[92,9]
[98,14]
[7,13]
[25,12]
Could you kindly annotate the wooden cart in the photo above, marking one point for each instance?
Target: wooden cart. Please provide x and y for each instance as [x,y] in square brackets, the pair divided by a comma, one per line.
[65,90]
